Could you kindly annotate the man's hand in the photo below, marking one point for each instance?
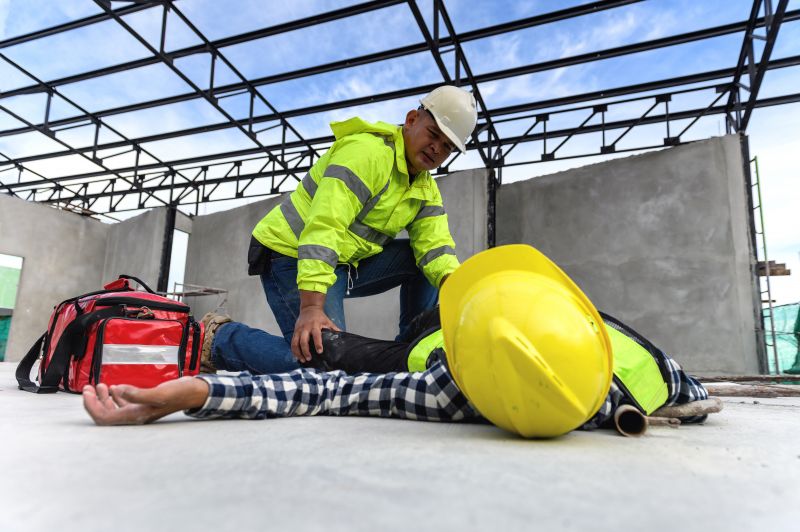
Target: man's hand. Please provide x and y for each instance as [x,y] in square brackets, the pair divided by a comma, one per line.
[128,405]
[310,322]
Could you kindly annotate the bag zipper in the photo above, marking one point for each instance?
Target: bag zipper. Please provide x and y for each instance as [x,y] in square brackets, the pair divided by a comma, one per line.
[136,302]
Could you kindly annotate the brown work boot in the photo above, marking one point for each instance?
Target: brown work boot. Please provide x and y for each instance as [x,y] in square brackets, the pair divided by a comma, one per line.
[211,322]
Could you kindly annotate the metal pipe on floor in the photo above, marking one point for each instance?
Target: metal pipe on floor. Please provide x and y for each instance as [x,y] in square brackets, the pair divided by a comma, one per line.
[629,421]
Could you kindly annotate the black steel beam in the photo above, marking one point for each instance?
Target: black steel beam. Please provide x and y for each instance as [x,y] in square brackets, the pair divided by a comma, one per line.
[498,29]
[219,43]
[73,25]
[293,157]
[667,83]
[544,104]
[310,71]
[321,141]
[550,135]
[479,78]
[160,54]
[745,56]
[653,119]
[772,34]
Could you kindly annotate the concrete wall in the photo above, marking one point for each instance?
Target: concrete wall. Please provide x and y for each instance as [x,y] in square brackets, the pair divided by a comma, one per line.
[66,255]
[63,255]
[217,257]
[218,250]
[134,247]
[658,240]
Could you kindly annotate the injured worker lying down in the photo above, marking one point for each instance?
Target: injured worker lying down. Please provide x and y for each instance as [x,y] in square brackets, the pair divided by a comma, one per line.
[514,342]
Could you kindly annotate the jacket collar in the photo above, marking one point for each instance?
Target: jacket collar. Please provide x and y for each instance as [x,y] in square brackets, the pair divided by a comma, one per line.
[355,125]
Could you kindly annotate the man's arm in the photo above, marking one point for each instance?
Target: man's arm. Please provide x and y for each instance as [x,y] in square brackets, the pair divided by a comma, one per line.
[352,176]
[129,405]
[428,396]
[432,243]
[310,322]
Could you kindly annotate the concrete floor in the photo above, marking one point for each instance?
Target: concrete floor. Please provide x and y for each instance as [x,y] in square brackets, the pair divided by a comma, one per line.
[739,471]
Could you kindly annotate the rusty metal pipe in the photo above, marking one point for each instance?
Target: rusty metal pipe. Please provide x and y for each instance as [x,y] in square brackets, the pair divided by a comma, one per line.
[629,421]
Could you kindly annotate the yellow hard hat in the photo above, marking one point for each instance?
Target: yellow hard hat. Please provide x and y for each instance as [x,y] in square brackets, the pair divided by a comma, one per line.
[523,343]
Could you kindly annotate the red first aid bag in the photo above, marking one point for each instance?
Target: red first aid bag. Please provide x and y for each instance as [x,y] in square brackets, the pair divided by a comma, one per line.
[117,335]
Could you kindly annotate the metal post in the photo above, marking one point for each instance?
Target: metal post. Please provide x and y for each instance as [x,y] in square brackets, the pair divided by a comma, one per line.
[491,208]
[166,250]
[761,348]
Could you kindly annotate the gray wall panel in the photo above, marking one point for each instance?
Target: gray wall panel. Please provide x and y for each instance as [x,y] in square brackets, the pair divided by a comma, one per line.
[63,256]
[134,247]
[217,257]
[659,240]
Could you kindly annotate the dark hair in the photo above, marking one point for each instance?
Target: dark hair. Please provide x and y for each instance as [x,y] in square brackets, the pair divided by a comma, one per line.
[423,108]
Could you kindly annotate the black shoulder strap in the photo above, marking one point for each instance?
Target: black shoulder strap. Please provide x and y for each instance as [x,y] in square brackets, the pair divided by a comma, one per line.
[26,364]
[64,350]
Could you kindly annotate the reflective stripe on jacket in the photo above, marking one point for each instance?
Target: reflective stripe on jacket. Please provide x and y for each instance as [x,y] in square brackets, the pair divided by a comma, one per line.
[355,200]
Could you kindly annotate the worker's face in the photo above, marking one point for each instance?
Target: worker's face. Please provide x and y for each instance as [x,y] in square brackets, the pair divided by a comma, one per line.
[426,146]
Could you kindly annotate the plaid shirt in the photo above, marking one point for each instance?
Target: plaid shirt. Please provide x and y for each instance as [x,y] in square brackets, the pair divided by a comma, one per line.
[431,395]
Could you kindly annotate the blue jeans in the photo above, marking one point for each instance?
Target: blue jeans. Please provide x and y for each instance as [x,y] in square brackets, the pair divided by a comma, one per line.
[237,347]
[394,266]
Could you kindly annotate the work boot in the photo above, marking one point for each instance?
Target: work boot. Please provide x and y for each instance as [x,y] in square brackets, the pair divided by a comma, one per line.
[211,322]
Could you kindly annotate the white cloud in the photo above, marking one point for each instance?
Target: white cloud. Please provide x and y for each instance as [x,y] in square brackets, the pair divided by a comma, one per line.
[5,5]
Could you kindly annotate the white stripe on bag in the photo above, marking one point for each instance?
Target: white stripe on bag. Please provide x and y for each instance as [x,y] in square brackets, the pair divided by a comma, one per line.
[140,354]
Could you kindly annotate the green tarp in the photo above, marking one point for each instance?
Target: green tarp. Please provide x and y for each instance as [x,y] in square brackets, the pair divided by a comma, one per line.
[9,279]
[5,323]
[786,323]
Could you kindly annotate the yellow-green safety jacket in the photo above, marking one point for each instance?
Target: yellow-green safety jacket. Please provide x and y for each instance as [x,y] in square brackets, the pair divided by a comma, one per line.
[355,200]
[639,367]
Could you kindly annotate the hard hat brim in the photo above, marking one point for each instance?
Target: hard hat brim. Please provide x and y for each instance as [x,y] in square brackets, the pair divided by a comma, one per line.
[450,135]
[446,130]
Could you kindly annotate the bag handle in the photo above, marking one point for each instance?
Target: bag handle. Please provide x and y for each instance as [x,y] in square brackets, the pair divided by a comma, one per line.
[65,348]
[127,284]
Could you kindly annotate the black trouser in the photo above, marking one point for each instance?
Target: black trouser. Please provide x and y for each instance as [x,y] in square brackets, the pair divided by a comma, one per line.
[355,354]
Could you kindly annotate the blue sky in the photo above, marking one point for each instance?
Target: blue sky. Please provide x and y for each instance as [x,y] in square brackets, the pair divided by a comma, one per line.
[775,134]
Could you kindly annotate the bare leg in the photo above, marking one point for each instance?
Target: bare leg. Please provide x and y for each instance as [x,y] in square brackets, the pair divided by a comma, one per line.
[129,405]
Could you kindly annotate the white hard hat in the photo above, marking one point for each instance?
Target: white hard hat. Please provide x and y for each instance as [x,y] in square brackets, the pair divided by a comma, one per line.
[455,112]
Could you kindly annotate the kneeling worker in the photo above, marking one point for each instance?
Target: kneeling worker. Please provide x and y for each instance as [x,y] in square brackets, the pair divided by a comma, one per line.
[334,236]
[524,348]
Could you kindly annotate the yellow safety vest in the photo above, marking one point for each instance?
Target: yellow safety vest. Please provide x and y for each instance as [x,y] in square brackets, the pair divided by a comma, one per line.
[354,201]
[636,370]
[418,357]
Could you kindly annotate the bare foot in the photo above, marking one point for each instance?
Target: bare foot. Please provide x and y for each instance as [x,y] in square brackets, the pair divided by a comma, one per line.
[128,405]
